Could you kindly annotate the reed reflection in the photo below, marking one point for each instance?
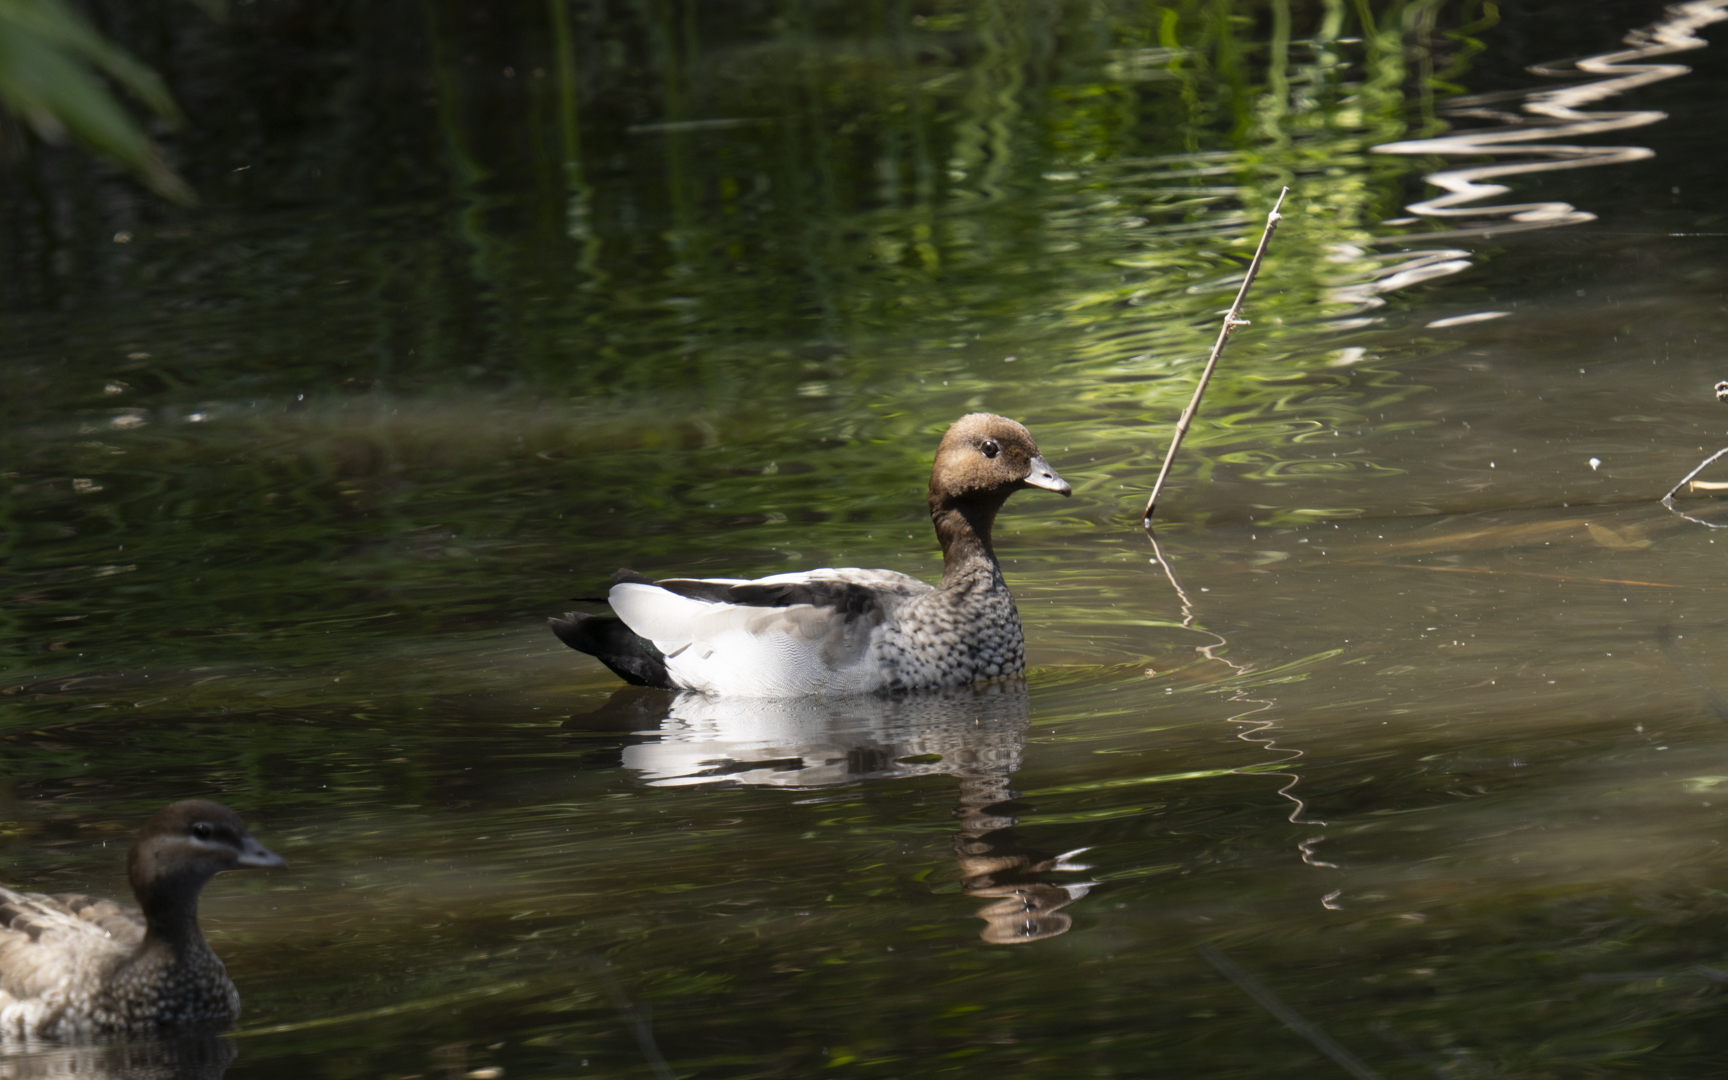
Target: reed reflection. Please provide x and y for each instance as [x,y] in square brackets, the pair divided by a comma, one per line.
[1252,727]
[976,734]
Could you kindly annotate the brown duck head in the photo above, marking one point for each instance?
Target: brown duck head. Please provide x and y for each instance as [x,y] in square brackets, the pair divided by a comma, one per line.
[982,459]
[186,844]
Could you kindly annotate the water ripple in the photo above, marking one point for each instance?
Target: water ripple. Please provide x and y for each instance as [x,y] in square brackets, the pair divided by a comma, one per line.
[1545,115]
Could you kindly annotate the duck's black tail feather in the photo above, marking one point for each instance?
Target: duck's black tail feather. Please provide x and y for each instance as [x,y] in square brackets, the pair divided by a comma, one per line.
[631,657]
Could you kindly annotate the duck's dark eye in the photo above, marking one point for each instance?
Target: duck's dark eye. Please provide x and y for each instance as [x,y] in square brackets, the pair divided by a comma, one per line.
[201,831]
[990,448]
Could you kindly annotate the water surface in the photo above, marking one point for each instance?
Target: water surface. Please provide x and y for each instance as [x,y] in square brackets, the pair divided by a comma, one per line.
[1412,717]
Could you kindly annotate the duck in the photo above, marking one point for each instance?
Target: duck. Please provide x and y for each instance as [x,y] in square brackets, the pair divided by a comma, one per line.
[75,965]
[841,630]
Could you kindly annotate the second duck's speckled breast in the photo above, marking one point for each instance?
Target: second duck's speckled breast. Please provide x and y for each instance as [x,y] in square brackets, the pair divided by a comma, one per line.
[157,989]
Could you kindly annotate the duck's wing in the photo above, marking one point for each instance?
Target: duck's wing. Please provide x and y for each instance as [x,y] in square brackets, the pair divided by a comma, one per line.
[780,636]
[849,593]
[52,948]
[123,924]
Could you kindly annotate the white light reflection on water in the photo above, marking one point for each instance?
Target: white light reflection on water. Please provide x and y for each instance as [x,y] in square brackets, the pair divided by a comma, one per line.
[1546,115]
[1676,33]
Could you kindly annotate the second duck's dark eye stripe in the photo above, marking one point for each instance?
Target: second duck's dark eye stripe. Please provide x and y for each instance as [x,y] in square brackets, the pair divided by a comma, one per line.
[990,448]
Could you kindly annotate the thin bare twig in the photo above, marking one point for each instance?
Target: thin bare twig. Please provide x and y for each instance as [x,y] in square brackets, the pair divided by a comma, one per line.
[1668,499]
[1231,322]
[1707,462]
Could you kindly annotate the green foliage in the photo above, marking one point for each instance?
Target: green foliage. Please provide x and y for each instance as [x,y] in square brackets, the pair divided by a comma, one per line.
[51,67]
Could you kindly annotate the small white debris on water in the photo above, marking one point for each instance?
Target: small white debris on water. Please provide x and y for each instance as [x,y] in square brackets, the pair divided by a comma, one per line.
[1594,462]
[1465,320]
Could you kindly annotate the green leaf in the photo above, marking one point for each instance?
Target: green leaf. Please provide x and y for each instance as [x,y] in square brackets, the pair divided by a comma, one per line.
[49,59]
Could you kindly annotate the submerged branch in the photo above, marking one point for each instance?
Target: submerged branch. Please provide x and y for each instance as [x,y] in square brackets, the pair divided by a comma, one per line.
[1671,649]
[1721,389]
[1291,1019]
[1668,499]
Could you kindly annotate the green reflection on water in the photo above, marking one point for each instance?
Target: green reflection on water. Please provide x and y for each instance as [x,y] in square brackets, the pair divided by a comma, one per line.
[812,295]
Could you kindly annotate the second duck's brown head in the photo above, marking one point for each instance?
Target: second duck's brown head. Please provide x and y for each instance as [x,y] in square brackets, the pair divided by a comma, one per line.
[178,850]
[984,458]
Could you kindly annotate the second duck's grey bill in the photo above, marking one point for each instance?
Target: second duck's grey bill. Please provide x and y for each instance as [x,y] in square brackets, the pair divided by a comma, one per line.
[1043,476]
[256,854]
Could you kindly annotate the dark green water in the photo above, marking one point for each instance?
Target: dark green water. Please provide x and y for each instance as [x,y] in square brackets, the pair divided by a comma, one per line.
[1425,735]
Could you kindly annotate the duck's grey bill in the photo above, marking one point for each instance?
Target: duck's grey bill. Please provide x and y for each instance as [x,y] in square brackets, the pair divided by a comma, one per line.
[256,854]
[1043,476]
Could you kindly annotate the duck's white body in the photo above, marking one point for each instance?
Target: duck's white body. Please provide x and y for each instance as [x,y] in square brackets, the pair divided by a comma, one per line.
[774,651]
[851,631]
[841,630]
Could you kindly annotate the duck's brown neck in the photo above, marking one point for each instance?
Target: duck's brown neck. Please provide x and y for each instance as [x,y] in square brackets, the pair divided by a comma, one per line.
[963,527]
[171,910]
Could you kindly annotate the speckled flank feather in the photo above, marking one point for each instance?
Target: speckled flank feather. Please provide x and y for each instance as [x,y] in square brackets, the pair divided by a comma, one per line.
[967,632]
[73,965]
[840,631]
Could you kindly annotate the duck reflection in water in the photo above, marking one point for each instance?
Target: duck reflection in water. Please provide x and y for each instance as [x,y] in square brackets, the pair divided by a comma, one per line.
[993,864]
[976,734]
[188,1057]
